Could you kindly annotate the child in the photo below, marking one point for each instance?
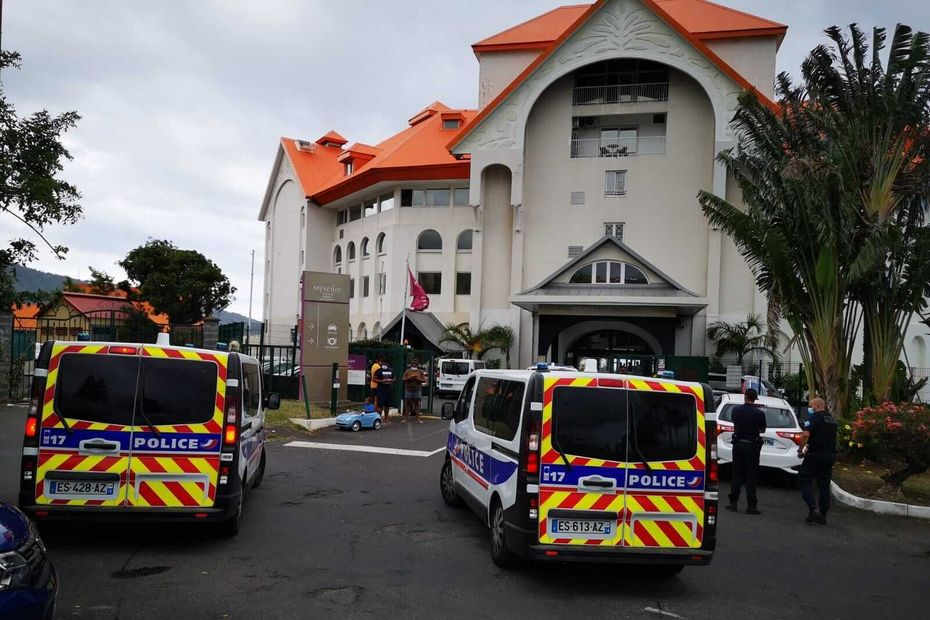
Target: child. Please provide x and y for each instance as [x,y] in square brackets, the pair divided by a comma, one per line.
[369,406]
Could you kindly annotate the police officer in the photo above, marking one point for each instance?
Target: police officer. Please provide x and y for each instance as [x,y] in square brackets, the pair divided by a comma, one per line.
[818,448]
[748,423]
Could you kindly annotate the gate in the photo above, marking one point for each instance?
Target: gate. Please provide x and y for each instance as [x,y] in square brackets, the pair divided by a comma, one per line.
[397,358]
[22,364]
[114,326]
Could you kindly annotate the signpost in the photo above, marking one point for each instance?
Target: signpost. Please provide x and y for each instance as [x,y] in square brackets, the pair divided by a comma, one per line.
[324,333]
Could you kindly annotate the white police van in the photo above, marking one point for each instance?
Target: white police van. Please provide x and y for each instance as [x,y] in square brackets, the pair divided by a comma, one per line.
[574,466]
[142,431]
[452,374]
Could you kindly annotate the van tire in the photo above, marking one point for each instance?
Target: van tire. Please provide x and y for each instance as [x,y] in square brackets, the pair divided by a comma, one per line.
[501,555]
[260,474]
[447,486]
[230,527]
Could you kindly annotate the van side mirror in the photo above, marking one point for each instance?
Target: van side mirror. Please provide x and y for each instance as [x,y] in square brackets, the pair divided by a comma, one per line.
[274,401]
[448,411]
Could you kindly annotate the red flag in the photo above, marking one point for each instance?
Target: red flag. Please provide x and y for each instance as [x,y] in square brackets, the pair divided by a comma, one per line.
[420,299]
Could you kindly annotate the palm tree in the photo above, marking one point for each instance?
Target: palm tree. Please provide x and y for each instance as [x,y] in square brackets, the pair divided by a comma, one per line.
[500,337]
[741,338]
[835,184]
[473,342]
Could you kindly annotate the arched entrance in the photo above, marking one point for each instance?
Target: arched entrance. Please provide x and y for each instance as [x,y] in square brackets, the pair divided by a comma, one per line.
[615,350]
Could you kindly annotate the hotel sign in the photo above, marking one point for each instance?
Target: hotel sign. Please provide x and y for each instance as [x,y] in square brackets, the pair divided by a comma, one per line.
[324,331]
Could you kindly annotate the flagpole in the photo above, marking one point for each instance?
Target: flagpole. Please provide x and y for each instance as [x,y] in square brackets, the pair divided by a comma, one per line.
[403,317]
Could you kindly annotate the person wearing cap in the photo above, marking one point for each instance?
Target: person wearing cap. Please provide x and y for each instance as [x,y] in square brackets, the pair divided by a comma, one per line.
[749,424]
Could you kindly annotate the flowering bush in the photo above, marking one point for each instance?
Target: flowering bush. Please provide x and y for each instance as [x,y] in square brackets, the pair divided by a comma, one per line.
[895,435]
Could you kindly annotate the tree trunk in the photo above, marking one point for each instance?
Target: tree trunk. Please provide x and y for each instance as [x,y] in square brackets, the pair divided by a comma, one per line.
[894,480]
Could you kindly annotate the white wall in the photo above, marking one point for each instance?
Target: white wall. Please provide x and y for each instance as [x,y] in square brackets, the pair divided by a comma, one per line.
[498,69]
[282,256]
[753,58]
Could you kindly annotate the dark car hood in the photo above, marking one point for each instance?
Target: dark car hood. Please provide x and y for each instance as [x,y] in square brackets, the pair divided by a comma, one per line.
[14,528]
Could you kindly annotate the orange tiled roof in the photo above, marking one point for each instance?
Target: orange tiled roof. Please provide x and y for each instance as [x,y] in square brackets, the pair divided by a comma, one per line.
[705,20]
[84,301]
[25,317]
[416,153]
[313,167]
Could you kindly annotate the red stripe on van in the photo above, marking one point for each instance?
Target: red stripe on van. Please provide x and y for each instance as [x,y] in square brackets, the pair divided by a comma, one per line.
[151,497]
[180,493]
[603,502]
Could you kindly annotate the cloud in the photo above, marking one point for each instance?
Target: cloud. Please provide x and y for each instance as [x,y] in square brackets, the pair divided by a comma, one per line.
[183,102]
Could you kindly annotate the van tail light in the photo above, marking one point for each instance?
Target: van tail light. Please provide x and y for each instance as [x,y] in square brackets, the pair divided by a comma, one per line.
[795,437]
[712,429]
[713,473]
[31,430]
[230,435]
[32,426]
[531,448]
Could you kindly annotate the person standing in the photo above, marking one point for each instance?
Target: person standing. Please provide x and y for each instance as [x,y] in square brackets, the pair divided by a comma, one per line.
[374,383]
[413,391]
[384,377]
[749,424]
[818,448]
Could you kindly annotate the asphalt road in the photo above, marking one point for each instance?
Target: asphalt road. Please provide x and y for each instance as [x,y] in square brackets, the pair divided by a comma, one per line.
[366,535]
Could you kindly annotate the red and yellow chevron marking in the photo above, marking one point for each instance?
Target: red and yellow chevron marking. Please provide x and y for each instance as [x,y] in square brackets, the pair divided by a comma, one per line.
[52,461]
[570,500]
[176,481]
[664,521]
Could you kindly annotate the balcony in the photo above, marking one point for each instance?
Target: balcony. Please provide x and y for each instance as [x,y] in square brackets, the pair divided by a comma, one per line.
[620,147]
[620,93]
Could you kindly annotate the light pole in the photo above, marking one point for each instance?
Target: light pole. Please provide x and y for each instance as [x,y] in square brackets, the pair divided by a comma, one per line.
[248,326]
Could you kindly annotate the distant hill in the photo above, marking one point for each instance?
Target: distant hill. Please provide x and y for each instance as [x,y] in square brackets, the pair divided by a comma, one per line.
[28,279]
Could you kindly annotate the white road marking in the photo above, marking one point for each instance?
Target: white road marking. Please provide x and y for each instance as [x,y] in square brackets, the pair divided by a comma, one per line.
[662,612]
[372,449]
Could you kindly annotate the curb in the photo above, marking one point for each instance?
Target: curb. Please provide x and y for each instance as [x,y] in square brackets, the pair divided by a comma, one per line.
[879,506]
[314,425]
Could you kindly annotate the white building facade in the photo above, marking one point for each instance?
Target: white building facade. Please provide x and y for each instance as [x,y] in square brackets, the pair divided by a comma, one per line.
[568,208]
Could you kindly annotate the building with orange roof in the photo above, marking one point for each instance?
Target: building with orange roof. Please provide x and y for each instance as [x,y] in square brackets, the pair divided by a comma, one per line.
[563,207]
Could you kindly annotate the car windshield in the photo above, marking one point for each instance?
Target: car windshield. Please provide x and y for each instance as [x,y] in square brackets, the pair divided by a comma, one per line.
[775,417]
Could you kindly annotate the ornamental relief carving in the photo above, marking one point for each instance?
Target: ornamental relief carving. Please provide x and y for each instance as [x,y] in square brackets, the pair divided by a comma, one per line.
[623,28]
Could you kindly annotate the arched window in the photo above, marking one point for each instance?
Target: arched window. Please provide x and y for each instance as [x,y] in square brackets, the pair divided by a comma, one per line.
[350,332]
[379,244]
[365,251]
[337,256]
[362,332]
[429,240]
[376,331]
[608,272]
[351,250]
[463,243]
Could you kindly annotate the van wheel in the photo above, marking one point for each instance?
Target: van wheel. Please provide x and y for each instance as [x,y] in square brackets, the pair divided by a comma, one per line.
[447,486]
[501,555]
[376,425]
[230,527]
[356,426]
[260,474]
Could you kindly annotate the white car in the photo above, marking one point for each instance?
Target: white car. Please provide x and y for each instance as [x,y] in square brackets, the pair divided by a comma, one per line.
[782,436]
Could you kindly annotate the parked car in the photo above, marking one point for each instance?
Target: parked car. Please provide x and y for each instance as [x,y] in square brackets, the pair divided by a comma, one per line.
[781,438]
[357,420]
[28,583]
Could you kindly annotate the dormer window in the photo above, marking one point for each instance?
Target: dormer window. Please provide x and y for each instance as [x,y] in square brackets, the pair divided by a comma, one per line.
[608,272]
[349,167]
[451,123]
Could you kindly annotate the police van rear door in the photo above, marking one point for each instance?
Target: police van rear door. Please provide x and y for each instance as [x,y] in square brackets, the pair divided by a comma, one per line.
[583,470]
[666,453]
[177,432]
[86,425]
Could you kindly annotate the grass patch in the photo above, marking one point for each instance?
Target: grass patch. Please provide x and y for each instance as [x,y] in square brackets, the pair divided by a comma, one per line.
[864,479]
[295,409]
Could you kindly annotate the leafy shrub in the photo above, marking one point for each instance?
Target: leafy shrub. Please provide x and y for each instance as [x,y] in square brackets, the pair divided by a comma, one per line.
[894,435]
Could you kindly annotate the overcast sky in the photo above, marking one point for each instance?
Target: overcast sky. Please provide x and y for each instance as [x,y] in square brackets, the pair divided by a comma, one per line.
[183,101]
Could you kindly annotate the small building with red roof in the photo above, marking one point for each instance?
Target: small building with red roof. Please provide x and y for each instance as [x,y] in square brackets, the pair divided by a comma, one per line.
[564,206]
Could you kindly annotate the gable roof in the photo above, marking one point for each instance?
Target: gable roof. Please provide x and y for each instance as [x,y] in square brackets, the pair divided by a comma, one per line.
[586,256]
[703,19]
[656,6]
[416,153]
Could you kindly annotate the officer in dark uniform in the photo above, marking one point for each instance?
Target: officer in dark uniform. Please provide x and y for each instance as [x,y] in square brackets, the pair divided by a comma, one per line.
[748,423]
[818,448]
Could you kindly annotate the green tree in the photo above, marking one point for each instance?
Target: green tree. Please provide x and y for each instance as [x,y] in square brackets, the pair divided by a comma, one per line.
[101,283]
[473,342]
[743,338]
[31,158]
[500,337]
[183,284]
[835,184]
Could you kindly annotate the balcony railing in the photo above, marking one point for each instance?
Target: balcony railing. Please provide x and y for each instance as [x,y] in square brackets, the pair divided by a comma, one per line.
[621,147]
[620,93]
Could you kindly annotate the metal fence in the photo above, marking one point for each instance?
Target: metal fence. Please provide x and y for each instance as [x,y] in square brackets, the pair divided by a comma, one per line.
[620,93]
[397,358]
[922,373]
[618,147]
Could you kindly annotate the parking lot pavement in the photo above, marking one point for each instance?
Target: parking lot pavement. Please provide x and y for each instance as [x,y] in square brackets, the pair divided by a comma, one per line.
[366,535]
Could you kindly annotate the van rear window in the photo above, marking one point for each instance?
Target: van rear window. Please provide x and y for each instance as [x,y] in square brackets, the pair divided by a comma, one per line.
[455,368]
[96,388]
[178,391]
[666,426]
[590,422]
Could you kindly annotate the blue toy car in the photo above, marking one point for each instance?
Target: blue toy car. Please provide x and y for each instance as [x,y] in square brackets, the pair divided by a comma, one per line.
[357,420]
[28,583]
